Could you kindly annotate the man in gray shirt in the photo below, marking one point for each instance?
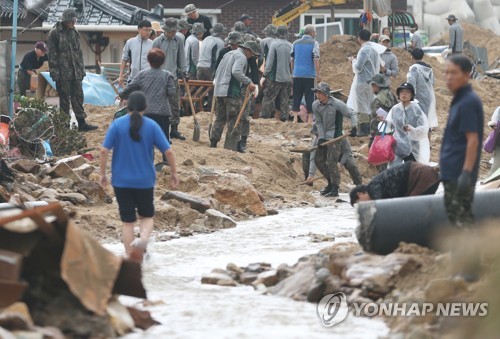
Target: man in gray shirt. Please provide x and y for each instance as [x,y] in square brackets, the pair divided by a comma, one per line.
[265,44]
[209,53]
[175,63]
[278,76]
[416,39]
[192,48]
[456,35]
[135,52]
[325,109]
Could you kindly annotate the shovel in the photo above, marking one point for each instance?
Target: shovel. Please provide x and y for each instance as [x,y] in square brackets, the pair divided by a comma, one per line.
[196,130]
[212,110]
[232,137]
[307,150]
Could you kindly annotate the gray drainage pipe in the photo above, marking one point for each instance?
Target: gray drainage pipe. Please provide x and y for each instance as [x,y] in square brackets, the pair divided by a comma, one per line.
[383,224]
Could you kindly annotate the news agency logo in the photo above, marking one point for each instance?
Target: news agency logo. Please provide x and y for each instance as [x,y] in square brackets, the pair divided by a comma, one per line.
[333,309]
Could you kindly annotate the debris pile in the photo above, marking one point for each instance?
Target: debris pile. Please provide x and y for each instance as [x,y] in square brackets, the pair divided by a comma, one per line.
[57,281]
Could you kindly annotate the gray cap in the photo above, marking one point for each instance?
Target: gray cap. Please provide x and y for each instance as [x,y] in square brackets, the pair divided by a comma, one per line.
[452,17]
[270,30]
[198,28]
[218,30]
[183,24]
[190,8]
[239,27]
[322,87]
[69,14]
[234,38]
[170,25]
[282,32]
[253,46]
[380,80]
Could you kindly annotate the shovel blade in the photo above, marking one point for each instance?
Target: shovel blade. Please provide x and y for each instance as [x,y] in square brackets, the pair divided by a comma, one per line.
[196,132]
[232,140]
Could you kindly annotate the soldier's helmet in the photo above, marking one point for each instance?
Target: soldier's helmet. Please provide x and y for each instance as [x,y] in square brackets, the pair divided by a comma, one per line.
[380,81]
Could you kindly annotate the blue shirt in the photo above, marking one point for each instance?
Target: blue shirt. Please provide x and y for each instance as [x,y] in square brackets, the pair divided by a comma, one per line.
[304,51]
[133,162]
[466,115]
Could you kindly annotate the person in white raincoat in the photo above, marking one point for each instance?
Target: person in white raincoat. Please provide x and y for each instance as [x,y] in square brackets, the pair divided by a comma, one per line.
[421,76]
[365,66]
[411,128]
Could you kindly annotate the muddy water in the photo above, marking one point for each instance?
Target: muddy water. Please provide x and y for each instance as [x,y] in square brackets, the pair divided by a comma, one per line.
[192,310]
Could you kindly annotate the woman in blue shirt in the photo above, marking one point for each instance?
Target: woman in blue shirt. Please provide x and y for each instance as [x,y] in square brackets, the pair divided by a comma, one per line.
[133,138]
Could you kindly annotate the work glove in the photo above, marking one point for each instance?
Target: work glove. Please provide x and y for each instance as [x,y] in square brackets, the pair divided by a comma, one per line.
[354,132]
[464,183]
[321,141]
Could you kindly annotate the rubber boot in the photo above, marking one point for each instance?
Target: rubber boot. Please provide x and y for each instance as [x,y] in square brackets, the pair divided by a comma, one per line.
[83,126]
[242,145]
[327,189]
[334,192]
[175,134]
[213,143]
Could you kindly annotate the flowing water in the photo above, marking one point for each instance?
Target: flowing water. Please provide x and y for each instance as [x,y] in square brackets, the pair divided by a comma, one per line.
[193,310]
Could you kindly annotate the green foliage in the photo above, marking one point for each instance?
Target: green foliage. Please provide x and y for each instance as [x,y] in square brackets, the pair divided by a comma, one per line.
[65,141]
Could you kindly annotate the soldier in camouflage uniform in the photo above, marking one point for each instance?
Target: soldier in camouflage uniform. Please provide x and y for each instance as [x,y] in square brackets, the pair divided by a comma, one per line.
[278,77]
[67,68]
[229,79]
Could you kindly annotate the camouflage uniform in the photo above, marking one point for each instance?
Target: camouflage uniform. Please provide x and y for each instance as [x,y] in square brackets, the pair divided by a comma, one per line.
[227,112]
[66,66]
[326,161]
[347,160]
[458,206]
[276,90]
[385,100]
[205,73]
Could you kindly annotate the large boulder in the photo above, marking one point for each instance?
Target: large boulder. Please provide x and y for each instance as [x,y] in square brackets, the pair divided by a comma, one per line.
[63,170]
[26,166]
[94,192]
[199,204]
[236,191]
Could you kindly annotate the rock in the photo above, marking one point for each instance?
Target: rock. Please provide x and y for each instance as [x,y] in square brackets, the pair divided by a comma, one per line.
[272,212]
[94,192]
[316,292]
[63,170]
[73,162]
[297,285]
[187,217]
[4,194]
[208,174]
[247,170]
[26,166]
[216,219]
[31,178]
[188,162]
[215,278]
[84,170]
[142,319]
[62,184]
[185,232]
[202,161]
[236,191]
[255,267]
[229,283]
[343,234]
[247,278]
[75,198]
[268,278]
[322,237]
[284,271]
[49,194]
[46,181]
[441,290]
[165,214]
[199,204]
[234,268]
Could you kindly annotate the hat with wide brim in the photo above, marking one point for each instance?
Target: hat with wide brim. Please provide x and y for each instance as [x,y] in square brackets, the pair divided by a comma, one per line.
[198,28]
[218,30]
[183,24]
[384,38]
[322,87]
[190,8]
[156,26]
[452,17]
[252,46]
[170,25]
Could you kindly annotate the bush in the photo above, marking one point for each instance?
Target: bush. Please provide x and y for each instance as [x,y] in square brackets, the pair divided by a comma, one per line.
[64,141]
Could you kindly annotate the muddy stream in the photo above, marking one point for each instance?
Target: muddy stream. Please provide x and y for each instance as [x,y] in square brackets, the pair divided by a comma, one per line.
[189,309]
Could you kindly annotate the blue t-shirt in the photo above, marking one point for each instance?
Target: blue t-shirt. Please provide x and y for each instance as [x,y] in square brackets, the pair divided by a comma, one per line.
[466,115]
[133,162]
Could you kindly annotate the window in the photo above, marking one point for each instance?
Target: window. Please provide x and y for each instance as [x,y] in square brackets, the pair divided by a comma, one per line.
[348,18]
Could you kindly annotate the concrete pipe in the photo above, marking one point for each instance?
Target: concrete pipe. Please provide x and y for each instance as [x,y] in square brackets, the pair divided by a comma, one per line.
[383,224]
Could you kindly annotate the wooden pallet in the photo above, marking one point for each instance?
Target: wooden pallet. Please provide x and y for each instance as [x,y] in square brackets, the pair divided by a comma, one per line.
[199,90]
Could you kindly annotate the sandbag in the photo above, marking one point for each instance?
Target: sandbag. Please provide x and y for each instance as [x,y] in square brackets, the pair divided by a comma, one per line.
[383,224]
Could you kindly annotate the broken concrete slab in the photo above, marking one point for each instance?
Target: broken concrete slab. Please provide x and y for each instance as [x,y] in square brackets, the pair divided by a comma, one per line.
[196,203]
[73,162]
[216,219]
[26,166]
[63,170]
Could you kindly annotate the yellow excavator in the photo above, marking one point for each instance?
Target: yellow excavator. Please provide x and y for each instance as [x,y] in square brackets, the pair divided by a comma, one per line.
[297,7]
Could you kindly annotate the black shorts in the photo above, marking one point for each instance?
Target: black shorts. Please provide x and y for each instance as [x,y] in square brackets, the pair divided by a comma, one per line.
[132,199]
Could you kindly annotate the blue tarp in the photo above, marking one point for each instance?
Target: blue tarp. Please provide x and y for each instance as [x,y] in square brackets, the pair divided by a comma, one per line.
[96,89]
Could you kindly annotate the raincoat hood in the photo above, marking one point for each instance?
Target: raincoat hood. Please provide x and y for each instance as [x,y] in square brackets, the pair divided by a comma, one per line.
[425,69]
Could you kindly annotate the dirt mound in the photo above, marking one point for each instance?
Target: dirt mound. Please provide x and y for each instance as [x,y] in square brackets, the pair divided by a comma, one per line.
[481,37]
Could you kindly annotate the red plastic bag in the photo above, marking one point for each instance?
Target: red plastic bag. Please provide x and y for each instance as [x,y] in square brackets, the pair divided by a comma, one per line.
[382,150]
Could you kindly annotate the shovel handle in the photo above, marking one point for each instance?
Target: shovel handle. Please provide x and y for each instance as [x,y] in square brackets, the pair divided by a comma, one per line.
[188,90]
[245,102]
[329,142]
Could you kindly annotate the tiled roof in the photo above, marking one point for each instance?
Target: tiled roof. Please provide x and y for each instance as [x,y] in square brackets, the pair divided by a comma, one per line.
[7,8]
[99,12]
